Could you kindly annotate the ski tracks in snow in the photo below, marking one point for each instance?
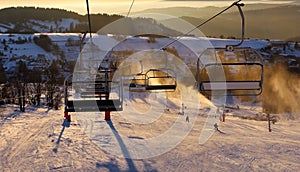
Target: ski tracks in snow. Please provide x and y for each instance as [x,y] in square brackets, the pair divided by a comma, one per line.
[23,137]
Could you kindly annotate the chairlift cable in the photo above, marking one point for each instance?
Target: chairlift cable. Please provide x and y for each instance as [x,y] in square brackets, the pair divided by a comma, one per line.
[203,23]
[130,8]
[89,18]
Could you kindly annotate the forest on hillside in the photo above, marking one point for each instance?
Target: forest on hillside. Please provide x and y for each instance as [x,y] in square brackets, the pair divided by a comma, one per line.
[19,16]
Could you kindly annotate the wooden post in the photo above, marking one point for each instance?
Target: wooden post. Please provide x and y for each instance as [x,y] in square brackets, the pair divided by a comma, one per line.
[223,117]
[107,116]
[269,122]
[67,116]
[38,96]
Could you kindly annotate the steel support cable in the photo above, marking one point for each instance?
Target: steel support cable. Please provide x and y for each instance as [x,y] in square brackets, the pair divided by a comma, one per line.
[236,3]
[130,8]
[89,18]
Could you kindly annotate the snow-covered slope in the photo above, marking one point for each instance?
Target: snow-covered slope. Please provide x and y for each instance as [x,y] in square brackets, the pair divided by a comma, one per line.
[33,55]
[6,27]
[39,140]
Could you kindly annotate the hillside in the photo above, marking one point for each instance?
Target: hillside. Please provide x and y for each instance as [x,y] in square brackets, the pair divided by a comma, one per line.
[32,20]
[45,20]
[263,21]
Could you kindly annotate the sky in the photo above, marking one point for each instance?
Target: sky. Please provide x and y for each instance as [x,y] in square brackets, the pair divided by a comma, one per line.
[122,6]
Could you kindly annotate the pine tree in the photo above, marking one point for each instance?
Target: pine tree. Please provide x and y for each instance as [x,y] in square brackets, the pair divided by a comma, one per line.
[53,72]
[53,76]
[22,72]
[2,73]
[51,29]
[71,29]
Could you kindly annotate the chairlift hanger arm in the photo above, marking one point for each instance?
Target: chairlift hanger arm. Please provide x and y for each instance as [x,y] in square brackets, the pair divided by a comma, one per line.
[230,47]
[89,18]
[83,37]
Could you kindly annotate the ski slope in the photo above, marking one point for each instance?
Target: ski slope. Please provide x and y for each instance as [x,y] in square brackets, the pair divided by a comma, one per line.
[40,140]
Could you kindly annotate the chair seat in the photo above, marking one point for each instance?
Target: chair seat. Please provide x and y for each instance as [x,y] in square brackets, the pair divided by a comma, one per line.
[230,85]
[93,105]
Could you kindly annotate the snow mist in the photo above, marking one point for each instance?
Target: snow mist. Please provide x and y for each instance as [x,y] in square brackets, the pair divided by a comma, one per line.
[281,91]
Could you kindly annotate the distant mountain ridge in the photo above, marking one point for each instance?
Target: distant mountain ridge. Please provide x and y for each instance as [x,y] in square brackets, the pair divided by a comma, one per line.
[263,21]
[203,12]
[280,23]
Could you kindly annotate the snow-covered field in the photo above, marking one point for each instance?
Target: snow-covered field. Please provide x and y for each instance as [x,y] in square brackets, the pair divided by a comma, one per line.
[12,51]
[40,140]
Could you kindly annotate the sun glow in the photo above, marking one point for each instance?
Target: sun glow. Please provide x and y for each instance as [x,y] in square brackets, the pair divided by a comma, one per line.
[119,6]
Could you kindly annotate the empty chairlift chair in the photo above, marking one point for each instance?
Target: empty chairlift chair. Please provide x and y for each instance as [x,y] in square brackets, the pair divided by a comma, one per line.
[231,70]
[160,80]
[235,72]
[92,96]
[138,83]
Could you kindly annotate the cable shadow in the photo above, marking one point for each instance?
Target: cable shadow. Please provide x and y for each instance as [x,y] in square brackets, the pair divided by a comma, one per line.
[125,152]
[64,124]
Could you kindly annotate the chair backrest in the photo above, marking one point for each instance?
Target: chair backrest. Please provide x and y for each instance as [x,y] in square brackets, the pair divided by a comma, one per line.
[101,94]
[138,83]
[238,72]
[160,80]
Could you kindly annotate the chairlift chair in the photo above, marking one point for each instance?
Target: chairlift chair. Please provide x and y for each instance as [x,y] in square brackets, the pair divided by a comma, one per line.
[153,80]
[160,80]
[93,96]
[138,83]
[242,67]
[232,60]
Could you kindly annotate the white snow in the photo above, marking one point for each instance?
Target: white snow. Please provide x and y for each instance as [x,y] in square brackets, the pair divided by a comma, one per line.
[5,27]
[37,140]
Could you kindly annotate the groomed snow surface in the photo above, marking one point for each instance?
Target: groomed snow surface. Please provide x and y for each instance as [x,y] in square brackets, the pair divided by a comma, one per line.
[40,140]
